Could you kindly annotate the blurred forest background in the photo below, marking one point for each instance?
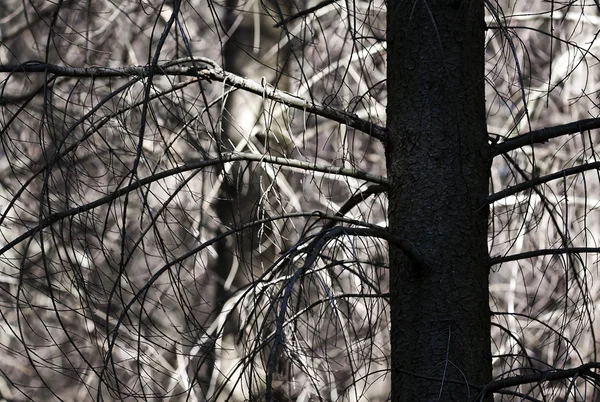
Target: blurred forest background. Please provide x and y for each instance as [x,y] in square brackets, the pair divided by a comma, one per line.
[152,219]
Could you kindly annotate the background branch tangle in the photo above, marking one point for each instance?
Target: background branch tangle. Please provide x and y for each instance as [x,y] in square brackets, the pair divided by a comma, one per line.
[194,200]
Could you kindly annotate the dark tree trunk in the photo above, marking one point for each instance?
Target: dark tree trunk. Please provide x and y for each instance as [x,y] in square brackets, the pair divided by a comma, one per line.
[438,165]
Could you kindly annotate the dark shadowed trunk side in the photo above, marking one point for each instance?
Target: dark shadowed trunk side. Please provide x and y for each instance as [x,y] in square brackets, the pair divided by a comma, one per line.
[438,165]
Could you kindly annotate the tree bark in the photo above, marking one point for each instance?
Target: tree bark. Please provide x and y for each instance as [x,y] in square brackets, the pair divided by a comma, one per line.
[438,165]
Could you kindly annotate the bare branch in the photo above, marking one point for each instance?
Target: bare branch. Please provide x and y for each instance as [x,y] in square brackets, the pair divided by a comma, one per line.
[542,135]
[206,70]
[302,13]
[355,200]
[315,248]
[189,166]
[540,180]
[544,376]
[537,253]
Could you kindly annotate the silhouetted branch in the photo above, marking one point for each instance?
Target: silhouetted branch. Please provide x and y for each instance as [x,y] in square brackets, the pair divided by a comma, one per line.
[544,376]
[355,200]
[302,13]
[406,246]
[314,250]
[540,180]
[538,253]
[545,134]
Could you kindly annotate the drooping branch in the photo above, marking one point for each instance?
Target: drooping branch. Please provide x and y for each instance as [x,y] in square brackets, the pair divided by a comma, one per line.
[542,135]
[206,70]
[142,292]
[313,252]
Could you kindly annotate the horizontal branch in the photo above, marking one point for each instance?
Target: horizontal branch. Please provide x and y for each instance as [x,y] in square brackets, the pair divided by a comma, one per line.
[189,166]
[338,115]
[304,166]
[304,13]
[207,70]
[539,253]
[540,180]
[545,134]
[203,68]
[544,376]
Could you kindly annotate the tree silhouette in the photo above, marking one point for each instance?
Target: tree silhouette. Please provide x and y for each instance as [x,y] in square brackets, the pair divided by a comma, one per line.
[299,201]
[438,165]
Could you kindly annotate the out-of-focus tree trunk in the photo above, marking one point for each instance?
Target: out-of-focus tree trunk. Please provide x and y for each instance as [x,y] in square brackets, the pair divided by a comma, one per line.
[252,50]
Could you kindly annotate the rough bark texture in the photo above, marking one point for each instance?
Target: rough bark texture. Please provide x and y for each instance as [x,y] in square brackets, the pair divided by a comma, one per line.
[438,165]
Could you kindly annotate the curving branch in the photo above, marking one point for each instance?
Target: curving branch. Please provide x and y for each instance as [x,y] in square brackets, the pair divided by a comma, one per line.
[206,70]
[374,189]
[304,13]
[314,250]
